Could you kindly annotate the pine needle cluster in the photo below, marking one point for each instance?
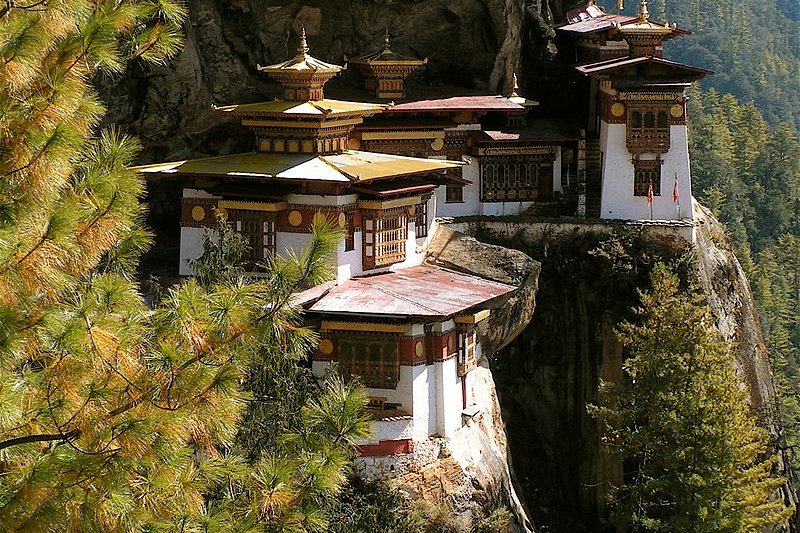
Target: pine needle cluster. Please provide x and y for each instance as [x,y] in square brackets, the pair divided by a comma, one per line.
[116,415]
[695,457]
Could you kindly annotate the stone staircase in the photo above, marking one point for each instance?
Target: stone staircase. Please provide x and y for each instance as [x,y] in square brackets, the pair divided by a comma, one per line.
[592,178]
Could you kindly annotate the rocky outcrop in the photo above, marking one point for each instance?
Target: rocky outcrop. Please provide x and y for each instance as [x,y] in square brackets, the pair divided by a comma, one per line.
[471,470]
[457,251]
[550,372]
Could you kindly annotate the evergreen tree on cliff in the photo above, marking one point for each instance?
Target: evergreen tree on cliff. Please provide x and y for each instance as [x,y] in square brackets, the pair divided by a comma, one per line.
[695,458]
[115,416]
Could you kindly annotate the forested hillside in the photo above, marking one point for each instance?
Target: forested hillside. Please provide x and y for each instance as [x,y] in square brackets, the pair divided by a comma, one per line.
[748,172]
[751,46]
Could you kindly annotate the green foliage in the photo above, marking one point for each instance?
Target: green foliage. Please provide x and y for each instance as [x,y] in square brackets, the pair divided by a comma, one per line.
[499,521]
[223,254]
[116,415]
[697,461]
[366,506]
[749,174]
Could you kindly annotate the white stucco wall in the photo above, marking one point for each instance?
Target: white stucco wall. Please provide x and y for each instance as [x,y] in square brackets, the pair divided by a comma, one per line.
[448,397]
[471,194]
[617,200]
[191,248]
[390,430]
[191,245]
[424,417]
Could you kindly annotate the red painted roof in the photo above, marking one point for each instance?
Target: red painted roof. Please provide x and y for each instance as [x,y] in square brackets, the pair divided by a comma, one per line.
[458,103]
[421,291]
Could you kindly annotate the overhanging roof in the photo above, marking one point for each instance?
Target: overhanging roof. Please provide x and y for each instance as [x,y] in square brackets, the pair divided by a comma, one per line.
[612,65]
[459,103]
[596,24]
[313,108]
[347,167]
[421,291]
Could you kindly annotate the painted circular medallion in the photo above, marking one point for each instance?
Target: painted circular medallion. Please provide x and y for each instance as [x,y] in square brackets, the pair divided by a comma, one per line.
[198,213]
[295,218]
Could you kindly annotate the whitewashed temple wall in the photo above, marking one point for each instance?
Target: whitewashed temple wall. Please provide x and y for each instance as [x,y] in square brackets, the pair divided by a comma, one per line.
[617,198]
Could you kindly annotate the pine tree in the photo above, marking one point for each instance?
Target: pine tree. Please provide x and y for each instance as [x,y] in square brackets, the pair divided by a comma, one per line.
[695,457]
[114,415]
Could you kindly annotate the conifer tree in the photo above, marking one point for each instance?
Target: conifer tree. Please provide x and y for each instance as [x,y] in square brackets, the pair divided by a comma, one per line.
[115,416]
[696,459]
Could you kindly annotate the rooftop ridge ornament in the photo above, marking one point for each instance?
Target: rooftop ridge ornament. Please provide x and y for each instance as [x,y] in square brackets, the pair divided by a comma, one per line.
[302,47]
[387,45]
[515,89]
[303,76]
[644,13]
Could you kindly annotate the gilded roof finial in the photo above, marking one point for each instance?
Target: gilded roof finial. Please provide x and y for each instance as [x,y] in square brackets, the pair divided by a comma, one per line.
[386,44]
[515,90]
[644,14]
[302,48]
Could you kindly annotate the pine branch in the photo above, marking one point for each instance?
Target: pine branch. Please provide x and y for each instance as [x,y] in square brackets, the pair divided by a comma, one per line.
[46,437]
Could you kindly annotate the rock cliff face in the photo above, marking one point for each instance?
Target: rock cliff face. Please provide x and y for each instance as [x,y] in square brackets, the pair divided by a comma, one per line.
[472,45]
[550,372]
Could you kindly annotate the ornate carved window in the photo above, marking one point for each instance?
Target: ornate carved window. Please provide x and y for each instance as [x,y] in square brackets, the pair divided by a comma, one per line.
[421,219]
[516,178]
[372,356]
[258,228]
[384,237]
[350,235]
[465,342]
[644,173]
[648,129]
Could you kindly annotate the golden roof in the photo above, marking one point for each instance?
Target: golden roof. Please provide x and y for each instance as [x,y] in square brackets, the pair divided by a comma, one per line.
[349,166]
[643,25]
[387,56]
[314,108]
[302,62]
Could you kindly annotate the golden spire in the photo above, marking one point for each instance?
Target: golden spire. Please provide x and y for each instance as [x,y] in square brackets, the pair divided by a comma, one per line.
[515,90]
[386,44]
[302,48]
[644,14]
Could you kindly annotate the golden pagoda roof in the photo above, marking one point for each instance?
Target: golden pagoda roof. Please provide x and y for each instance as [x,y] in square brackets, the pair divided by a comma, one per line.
[350,166]
[314,108]
[643,25]
[387,56]
[302,62]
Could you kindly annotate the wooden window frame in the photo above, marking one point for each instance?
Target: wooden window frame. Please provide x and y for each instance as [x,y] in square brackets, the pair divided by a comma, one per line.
[466,345]
[350,232]
[384,237]
[647,128]
[514,178]
[421,219]
[454,194]
[261,239]
[373,357]
[643,171]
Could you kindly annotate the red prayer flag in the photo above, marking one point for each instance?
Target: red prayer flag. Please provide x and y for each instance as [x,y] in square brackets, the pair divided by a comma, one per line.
[675,195]
[650,193]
